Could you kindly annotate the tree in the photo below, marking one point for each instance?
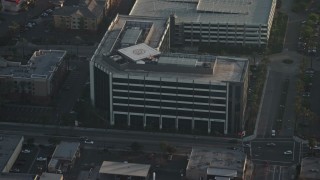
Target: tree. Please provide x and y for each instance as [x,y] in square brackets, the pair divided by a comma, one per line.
[312,143]
[171,149]
[307,32]
[30,141]
[136,147]
[14,27]
[313,17]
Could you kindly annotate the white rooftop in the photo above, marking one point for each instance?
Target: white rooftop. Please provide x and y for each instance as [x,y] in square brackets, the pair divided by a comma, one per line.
[41,65]
[207,11]
[139,51]
[127,169]
[66,150]
[217,158]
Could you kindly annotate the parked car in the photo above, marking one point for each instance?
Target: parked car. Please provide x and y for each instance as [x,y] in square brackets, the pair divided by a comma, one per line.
[26,151]
[88,141]
[287,152]
[271,144]
[41,159]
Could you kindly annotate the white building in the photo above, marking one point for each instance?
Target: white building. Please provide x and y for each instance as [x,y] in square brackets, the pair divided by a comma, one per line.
[234,22]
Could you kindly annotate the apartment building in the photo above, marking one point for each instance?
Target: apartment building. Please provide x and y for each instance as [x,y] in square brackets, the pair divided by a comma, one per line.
[37,81]
[86,16]
[12,5]
[140,86]
[228,22]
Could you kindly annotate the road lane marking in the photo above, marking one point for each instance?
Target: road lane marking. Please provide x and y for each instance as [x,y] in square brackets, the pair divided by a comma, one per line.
[271,161]
[274,172]
[294,145]
[280,173]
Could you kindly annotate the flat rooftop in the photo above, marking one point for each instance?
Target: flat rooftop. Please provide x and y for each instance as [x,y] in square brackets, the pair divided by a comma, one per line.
[207,11]
[310,168]
[216,160]
[8,144]
[50,176]
[16,176]
[140,29]
[66,150]
[41,65]
[125,169]
[200,68]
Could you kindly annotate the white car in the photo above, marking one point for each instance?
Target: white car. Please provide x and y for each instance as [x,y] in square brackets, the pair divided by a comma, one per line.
[287,152]
[41,159]
[26,151]
[88,141]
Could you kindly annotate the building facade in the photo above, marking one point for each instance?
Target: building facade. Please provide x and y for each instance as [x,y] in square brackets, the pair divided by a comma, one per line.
[37,81]
[140,86]
[198,22]
[87,16]
[12,5]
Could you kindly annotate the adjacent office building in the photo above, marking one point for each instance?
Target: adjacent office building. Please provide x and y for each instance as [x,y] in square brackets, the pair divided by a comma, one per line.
[231,22]
[37,81]
[141,86]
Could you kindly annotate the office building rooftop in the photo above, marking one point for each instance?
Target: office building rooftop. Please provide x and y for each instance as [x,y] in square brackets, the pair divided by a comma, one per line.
[207,11]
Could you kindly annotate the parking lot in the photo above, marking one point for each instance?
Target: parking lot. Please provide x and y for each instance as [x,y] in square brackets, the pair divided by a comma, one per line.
[29,160]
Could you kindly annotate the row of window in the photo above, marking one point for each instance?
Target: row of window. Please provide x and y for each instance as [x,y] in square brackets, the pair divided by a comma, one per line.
[169,112]
[172,84]
[169,91]
[168,97]
[169,104]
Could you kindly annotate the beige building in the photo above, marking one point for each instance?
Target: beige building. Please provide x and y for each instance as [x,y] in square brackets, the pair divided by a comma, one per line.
[217,163]
[87,15]
[49,176]
[310,168]
[37,81]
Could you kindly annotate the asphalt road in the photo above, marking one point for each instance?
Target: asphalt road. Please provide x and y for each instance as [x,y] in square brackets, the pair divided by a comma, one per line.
[270,104]
[116,138]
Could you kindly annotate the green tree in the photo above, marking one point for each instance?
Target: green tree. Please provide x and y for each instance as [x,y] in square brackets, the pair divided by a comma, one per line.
[136,146]
[171,149]
[14,27]
[313,17]
[24,5]
[30,141]
[307,32]
[312,143]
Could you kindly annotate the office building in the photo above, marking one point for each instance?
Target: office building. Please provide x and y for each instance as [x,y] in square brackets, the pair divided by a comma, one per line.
[141,87]
[225,22]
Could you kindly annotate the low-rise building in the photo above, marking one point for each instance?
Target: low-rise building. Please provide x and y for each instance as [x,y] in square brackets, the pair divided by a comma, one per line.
[64,156]
[49,176]
[37,81]
[112,170]
[310,168]
[12,5]
[10,148]
[216,163]
[86,16]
